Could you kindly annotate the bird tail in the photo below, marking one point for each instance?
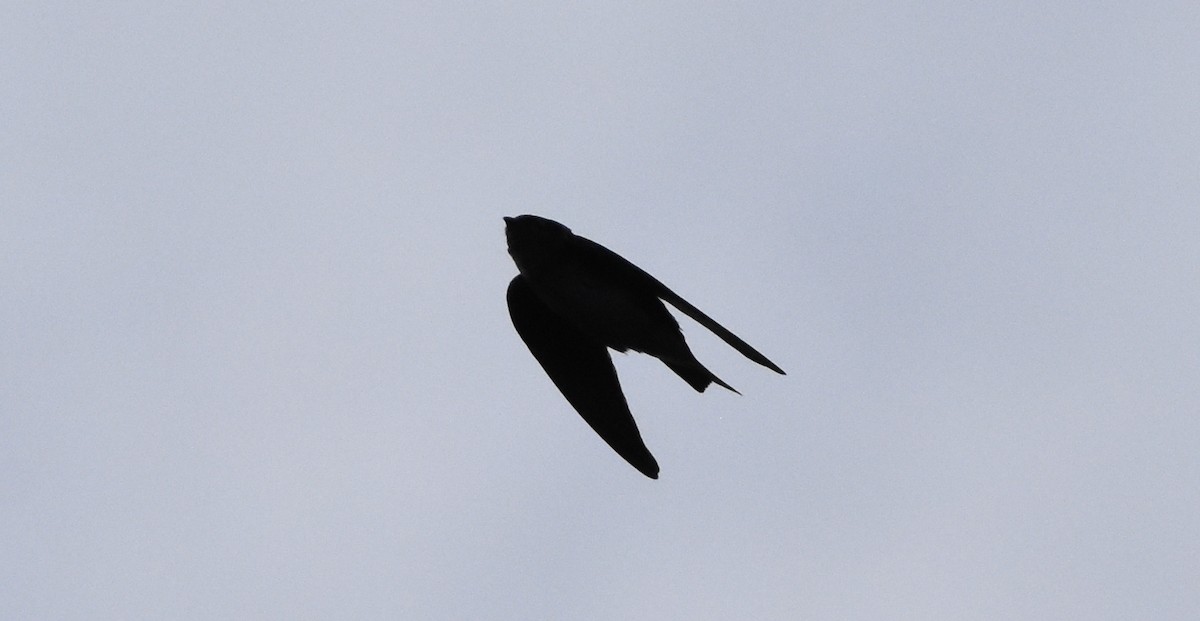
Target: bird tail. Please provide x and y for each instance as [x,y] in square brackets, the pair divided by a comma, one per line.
[696,375]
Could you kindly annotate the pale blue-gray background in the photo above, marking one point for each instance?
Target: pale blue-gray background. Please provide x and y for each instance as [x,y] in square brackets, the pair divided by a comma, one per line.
[257,363]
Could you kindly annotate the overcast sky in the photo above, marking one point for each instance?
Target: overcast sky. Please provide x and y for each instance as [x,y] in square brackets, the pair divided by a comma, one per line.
[257,362]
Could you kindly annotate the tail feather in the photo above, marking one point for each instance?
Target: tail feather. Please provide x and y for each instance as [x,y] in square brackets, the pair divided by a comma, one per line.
[696,375]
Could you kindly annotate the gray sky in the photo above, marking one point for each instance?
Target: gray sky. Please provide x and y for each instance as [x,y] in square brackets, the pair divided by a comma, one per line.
[257,361]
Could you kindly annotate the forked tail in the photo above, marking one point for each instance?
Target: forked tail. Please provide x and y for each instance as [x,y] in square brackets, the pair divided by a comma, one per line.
[696,375]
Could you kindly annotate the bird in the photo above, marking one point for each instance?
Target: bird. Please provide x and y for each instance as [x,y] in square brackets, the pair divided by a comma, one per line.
[573,300]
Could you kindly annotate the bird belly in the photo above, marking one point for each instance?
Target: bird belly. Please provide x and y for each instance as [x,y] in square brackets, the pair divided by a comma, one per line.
[614,315]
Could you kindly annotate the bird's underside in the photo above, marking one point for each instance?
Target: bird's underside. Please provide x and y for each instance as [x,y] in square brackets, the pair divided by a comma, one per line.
[575,299]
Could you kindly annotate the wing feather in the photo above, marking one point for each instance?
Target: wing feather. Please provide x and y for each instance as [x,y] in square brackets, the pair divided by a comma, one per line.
[618,267]
[582,370]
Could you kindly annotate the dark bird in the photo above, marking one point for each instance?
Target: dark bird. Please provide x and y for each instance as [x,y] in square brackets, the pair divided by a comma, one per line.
[573,300]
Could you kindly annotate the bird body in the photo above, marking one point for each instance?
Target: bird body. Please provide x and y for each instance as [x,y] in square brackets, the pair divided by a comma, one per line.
[574,299]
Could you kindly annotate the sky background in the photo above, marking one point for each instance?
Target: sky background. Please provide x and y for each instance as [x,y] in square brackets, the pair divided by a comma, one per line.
[257,362]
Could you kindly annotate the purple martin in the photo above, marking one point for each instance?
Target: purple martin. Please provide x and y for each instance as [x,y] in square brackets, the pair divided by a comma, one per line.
[574,300]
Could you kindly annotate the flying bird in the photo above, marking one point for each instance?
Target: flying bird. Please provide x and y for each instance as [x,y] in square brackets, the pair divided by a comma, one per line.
[574,300]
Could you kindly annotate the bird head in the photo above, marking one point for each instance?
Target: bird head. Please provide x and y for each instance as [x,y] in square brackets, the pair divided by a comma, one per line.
[534,241]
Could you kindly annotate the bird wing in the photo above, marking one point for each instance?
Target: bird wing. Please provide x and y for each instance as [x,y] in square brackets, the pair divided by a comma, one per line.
[581,368]
[613,265]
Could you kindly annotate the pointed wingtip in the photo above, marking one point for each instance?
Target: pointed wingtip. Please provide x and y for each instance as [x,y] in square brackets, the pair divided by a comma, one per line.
[755,356]
[761,359]
[646,465]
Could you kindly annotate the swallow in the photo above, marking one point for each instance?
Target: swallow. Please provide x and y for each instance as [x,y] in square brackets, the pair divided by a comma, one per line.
[574,300]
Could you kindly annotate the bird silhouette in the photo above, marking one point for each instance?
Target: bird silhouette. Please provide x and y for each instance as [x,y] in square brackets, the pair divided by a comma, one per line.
[574,300]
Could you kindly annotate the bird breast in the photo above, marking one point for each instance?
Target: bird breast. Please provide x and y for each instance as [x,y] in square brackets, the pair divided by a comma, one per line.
[616,315]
